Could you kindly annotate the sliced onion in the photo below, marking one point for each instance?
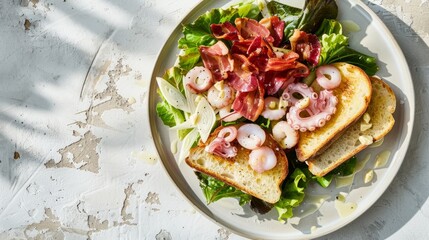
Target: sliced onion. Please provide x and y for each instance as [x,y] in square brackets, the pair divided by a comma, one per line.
[172,95]
[206,118]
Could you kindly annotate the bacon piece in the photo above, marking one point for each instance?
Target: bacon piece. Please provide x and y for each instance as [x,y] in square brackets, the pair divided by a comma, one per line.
[301,70]
[276,28]
[259,46]
[216,58]
[244,77]
[287,61]
[241,47]
[259,52]
[250,28]
[225,31]
[250,104]
[276,80]
[306,45]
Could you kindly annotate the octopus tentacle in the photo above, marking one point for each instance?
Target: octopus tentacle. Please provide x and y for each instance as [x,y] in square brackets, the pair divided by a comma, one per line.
[315,114]
[300,88]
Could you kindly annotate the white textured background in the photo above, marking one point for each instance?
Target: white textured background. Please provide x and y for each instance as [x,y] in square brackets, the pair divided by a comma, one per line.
[75,162]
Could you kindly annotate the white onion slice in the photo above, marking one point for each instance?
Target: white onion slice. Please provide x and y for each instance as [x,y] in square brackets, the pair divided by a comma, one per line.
[172,95]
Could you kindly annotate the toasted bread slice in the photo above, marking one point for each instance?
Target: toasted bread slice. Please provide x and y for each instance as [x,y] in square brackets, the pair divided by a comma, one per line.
[379,122]
[238,173]
[354,95]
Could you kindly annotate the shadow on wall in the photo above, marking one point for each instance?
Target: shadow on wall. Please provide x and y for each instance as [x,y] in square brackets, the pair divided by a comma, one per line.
[410,189]
[36,53]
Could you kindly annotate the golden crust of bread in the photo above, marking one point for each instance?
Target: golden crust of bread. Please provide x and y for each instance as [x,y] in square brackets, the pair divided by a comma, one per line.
[380,111]
[238,173]
[354,95]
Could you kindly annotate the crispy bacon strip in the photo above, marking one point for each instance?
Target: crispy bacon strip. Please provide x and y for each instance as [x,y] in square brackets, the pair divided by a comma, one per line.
[216,58]
[276,27]
[244,77]
[287,61]
[307,46]
[250,104]
[250,28]
[225,31]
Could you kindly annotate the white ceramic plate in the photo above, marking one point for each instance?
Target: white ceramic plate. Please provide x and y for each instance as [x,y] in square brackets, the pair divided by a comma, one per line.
[374,39]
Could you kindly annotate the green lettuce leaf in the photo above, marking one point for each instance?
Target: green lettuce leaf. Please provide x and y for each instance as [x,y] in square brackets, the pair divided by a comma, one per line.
[335,48]
[290,15]
[169,115]
[329,26]
[198,33]
[315,11]
[292,194]
[345,169]
[307,19]
[214,190]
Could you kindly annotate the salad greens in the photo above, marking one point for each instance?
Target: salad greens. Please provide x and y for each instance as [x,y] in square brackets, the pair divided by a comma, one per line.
[335,48]
[292,194]
[170,115]
[317,17]
[214,190]
[198,33]
[307,19]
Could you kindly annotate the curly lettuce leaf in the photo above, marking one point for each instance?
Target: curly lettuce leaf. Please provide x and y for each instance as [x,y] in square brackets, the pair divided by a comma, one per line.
[215,190]
[198,33]
[329,26]
[169,115]
[335,48]
[292,194]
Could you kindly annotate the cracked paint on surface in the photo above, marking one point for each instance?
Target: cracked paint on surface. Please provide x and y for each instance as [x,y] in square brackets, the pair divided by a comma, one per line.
[163,235]
[223,234]
[129,191]
[50,227]
[109,98]
[152,198]
[80,155]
